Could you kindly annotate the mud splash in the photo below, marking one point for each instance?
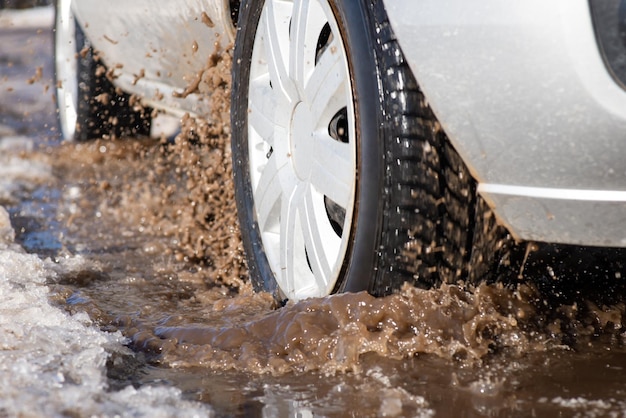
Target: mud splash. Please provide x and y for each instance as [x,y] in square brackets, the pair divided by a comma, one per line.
[159,221]
[331,334]
[200,157]
[125,206]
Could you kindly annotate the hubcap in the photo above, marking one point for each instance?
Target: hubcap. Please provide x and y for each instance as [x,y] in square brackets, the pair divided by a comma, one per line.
[301,145]
[302,141]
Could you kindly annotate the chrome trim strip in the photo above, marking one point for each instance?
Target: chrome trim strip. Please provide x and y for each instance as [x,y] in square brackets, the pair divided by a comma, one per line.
[550,193]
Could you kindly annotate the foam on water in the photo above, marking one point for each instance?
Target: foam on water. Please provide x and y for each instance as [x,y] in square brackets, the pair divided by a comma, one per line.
[51,363]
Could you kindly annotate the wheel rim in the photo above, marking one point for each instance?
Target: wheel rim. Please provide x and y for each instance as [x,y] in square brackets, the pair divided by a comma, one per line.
[301,145]
[65,65]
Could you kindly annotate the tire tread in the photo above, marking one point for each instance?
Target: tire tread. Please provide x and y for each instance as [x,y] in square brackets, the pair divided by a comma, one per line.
[429,230]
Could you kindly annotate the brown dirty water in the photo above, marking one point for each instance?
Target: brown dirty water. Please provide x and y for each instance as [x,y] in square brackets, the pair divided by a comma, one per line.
[550,345]
[155,224]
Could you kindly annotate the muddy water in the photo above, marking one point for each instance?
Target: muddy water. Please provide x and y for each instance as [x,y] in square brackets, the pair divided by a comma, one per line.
[153,223]
[538,348]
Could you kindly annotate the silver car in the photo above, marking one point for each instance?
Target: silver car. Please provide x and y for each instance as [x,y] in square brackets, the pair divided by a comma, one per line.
[378,142]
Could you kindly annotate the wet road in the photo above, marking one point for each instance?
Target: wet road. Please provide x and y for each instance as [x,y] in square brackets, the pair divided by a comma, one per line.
[124,292]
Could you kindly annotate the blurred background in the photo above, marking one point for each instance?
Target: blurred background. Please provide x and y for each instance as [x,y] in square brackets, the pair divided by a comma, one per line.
[23,4]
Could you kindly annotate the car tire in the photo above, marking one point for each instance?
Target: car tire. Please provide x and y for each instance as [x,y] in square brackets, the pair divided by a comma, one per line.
[89,106]
[412,213]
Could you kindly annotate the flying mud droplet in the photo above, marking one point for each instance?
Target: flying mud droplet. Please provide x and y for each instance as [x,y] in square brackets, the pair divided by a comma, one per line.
[207,20]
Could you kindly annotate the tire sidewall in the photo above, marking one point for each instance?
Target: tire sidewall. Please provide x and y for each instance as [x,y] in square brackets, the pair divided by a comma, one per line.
[259,269]
[65,131]
[356,24]
[85,82]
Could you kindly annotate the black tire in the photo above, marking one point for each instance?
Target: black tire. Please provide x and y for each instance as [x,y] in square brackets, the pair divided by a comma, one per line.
[99,109]
[416,205]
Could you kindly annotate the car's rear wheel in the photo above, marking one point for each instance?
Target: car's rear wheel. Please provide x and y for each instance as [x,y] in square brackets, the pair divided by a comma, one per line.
[89,106]
[344,179]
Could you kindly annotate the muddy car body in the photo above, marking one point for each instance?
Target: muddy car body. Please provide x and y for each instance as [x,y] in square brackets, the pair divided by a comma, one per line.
[530,97]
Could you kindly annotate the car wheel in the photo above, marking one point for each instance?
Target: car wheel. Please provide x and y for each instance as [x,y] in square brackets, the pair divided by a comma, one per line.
[344,179]
[89,106]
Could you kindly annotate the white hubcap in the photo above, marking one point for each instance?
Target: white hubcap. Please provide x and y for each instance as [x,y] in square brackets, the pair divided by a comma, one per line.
[301,144]
[302,141]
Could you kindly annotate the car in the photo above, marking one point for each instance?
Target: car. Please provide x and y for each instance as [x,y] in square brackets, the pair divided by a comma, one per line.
[378,142]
